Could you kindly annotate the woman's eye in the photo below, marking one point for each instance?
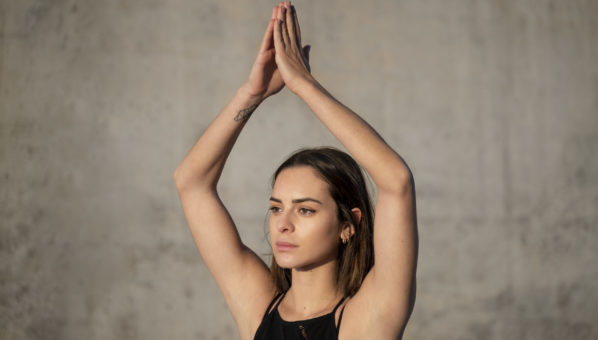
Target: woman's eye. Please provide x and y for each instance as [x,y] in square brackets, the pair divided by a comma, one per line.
[274,209]
[306,211]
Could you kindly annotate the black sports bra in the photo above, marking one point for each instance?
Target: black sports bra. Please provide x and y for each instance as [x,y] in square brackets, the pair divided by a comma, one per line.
[273,327]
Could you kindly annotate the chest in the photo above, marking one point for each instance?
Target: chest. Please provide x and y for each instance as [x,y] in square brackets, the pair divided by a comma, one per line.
[274,327]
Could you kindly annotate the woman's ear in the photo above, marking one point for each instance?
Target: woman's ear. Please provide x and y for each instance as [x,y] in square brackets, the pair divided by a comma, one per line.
[347,232]
[348,228]
[356,215]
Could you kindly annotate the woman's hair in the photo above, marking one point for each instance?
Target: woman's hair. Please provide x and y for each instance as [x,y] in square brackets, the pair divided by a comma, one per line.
[347,187]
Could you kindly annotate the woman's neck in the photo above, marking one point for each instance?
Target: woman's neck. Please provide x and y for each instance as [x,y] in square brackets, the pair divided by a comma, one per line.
[313,292]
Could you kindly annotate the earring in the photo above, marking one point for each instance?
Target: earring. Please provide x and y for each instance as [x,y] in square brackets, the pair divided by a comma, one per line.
[345,241]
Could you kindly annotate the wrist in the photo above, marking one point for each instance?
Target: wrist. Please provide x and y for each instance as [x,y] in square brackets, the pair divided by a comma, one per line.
[307,85]
[247,96]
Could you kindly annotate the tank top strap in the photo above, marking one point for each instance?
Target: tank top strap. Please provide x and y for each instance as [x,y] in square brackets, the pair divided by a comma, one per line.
[338,305]
[277,299]
[338,323]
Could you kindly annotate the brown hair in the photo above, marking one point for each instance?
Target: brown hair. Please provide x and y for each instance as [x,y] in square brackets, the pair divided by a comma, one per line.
[347,187]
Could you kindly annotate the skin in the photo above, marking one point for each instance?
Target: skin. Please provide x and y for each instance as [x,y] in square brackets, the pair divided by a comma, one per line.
[383,304]
[303,213]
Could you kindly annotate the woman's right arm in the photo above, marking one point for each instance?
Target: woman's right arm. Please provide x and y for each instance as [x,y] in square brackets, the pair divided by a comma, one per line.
[241,275]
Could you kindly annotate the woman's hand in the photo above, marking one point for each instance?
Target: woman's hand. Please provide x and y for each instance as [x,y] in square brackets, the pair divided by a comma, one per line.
[291,58]
[264,78]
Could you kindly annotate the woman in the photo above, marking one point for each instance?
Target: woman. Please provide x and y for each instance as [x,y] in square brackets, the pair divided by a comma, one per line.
[321,230]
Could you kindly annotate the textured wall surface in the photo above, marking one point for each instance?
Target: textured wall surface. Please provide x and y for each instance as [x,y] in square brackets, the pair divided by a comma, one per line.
[494,105]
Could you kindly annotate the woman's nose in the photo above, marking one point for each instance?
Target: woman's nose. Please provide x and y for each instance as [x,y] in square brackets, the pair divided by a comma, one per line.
[284,223]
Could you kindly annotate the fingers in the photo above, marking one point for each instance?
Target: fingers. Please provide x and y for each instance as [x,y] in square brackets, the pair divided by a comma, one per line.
[290,24]
[282,16]
[297,28]
[267,40]
[286,28]
[278,41]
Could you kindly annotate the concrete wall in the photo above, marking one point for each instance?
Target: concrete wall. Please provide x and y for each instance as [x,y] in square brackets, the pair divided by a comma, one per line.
[494,104]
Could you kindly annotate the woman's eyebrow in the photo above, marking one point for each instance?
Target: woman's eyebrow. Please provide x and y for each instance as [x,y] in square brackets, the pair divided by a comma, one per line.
[297,200]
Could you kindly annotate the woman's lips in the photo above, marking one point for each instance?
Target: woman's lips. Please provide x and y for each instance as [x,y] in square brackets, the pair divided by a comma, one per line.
[285,246]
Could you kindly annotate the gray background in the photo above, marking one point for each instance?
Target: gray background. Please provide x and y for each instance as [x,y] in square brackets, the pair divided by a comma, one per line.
[494,105]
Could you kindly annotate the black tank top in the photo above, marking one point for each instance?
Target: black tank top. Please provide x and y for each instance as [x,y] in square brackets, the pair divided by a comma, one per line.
[273,327]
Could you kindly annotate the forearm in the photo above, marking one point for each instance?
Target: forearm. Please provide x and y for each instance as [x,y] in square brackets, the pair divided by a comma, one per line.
[384,165]
[204,163]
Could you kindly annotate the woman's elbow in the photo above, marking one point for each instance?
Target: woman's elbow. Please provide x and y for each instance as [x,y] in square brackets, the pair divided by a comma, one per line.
[187,181]
[178,177]
[399,181]
[183,180]
[403,183]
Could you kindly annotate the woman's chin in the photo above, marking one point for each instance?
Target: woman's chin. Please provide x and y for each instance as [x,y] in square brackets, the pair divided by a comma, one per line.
[285,261]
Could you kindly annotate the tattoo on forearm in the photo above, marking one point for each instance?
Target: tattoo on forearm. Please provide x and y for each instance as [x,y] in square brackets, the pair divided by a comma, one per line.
[244,114]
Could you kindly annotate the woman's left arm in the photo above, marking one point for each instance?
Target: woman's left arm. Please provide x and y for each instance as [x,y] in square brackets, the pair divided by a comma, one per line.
[390,285]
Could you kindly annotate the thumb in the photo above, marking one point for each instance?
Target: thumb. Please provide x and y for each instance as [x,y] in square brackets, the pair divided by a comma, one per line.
[306,50]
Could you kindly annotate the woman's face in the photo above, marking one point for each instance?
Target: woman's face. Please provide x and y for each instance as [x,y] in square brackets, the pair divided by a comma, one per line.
[304,227]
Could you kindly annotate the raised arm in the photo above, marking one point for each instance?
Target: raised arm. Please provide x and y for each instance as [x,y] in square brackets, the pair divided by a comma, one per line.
[242,276]
[389,288]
